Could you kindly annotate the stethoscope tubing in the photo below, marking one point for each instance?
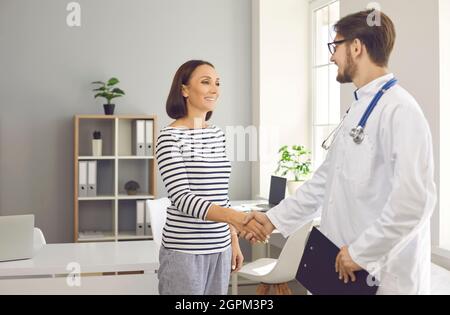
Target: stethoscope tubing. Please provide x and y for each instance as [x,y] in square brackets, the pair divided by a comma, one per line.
[374,102]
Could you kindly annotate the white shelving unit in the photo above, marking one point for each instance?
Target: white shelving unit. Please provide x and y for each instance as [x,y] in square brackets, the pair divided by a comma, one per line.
[135,197]
[97,198]
[111,215]
[96,158]
[136,157]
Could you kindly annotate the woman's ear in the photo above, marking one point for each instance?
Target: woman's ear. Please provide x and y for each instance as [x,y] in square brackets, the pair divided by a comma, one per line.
[184,90]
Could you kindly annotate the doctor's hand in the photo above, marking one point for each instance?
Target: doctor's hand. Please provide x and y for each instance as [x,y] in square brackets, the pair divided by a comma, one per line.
[262,219]
[345,265]
[239,221]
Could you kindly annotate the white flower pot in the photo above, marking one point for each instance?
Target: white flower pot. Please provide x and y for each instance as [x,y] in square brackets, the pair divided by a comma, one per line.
[96,147]
[293,185]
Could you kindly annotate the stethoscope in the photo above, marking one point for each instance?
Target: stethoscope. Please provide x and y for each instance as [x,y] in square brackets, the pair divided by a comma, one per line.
[357,133]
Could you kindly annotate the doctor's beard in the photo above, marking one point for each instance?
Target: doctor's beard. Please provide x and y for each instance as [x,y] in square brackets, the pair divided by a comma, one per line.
[349,70]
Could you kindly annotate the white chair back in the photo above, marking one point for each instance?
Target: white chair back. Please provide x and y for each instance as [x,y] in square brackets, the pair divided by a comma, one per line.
[39,239]
[290,256]
[158,214]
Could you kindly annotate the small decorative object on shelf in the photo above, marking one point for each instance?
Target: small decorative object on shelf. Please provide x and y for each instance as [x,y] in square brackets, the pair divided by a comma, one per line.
[97,143]
[132,187]
[108,91]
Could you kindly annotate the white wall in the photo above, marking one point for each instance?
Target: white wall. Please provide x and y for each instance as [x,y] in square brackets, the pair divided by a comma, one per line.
[281,76]
[415,62]
[45,72]
[444,34]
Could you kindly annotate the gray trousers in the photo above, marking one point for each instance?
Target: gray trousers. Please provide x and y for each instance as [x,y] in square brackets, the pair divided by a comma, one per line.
[190,274]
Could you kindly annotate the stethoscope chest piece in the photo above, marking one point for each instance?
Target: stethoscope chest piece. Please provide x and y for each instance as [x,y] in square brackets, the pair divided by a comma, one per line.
[357,134]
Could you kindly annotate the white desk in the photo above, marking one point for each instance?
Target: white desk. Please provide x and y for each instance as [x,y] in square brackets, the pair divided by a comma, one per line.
[248,204]
[47,272]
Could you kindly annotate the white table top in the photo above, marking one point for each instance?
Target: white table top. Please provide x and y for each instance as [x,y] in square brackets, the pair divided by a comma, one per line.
[92,258]
[246,205]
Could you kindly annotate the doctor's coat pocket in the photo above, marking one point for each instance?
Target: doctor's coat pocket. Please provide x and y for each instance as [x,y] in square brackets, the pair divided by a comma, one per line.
[389,284]
[358,159]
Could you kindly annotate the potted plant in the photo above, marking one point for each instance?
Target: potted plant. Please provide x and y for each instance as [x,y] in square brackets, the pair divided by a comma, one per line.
[108,91]
[295,162]
[97,143]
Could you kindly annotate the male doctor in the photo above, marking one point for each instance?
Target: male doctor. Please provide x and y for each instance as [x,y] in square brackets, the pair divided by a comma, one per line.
[375,191]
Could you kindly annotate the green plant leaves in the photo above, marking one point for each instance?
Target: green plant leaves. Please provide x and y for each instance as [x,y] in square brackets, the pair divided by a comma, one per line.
[118,91]
[283,148]
[294,160]
[114,96]
[107,91]
[102,94]
[112,81]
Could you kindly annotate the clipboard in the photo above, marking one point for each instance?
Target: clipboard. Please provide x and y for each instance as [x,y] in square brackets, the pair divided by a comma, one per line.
[317,274]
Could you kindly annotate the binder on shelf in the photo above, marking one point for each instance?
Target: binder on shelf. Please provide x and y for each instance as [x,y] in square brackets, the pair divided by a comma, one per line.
[82,179]
[148,226]
[140,212]
[139,138]
[148,137]
[92,179]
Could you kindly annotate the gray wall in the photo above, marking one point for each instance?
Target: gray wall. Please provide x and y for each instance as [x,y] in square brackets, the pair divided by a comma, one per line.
[414,61]
[45,72]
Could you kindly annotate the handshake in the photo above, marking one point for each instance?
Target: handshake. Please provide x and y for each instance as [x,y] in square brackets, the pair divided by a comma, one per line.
[253,226]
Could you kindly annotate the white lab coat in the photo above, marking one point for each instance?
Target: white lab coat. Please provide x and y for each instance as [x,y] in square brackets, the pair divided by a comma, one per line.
[376,197]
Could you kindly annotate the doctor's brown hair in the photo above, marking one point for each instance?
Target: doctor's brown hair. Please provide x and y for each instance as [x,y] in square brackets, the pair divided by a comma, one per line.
[378,39]
[176,106]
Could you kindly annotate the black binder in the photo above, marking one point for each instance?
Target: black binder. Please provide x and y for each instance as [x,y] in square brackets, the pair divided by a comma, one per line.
[317,274]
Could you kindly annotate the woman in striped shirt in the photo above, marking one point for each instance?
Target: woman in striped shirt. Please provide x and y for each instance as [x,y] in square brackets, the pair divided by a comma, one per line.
[200,245]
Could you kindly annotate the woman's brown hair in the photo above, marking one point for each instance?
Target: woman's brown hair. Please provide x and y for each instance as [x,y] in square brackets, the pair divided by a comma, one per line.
[176,103]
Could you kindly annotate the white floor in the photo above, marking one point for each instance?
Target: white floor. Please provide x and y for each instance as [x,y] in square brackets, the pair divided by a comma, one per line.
[440,284]
[440,280]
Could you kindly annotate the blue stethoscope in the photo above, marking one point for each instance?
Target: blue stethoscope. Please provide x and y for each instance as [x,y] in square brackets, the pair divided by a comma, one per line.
[357,133]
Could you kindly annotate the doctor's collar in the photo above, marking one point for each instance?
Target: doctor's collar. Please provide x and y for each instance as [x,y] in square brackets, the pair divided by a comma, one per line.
[372,87]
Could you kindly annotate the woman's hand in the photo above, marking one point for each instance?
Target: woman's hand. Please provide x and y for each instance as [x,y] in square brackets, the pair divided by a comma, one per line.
[237,259]
[262,219]
[239,221]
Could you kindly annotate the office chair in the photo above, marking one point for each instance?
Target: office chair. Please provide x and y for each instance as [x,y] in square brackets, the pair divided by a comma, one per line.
[278,272]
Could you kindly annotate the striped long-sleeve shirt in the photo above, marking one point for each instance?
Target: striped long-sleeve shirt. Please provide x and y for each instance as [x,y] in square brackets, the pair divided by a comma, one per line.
[195,172]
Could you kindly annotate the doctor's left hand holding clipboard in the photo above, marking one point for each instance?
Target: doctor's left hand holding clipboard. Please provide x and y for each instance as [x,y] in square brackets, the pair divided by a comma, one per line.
[317,273]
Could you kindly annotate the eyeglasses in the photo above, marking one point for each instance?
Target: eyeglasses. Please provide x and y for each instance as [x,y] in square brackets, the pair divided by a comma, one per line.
[333,45]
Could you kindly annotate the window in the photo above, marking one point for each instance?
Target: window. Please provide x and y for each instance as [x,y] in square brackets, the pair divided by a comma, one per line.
[326,90]
[444,115]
